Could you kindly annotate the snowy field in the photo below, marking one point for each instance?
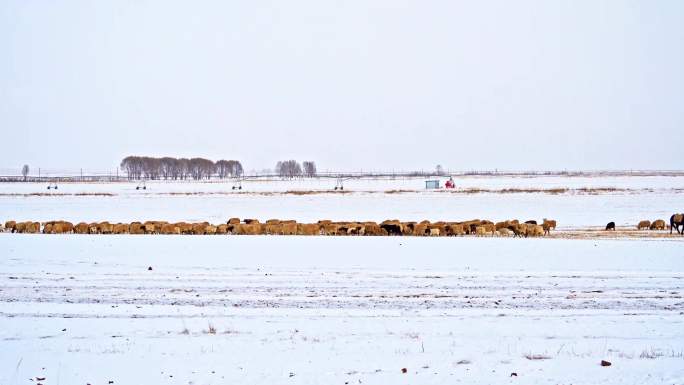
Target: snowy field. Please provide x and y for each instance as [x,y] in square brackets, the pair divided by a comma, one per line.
[348,310]
[624,200]
[295,310]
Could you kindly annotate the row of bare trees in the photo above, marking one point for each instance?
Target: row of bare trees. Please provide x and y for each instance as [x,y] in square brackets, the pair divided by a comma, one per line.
[292,169]
[145,167]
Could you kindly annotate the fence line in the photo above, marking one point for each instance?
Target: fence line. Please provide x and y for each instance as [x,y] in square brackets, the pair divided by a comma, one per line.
[110,177]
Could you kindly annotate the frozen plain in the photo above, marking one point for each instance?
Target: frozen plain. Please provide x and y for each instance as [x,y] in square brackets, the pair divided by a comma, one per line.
[319,310]
[313,310]
[634,199]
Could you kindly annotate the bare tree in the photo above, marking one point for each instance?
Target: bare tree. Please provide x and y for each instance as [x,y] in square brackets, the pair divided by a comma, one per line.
[138,167]
[235,168]
[288,169]
[201,168]
[228,168]
[166,165]
[151,167]
[133,166]
[184,168]
[25,171]
[439,170]
[309,168]
[222,168]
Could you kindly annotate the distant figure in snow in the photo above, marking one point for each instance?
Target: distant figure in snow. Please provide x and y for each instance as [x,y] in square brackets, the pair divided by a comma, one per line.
[610,226]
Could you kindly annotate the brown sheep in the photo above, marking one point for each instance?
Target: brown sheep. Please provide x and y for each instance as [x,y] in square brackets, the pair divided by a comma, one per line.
[549,224]
[238,229]
[28,227]
[356,229]
[169,229]
[20,227]
[644,225]
[480,231]
[105,228]
[53,227]
[441,226]
[289,228]
[220,229]
[120,228]
[251,221]
[455,229]
[658,224]
[519,230]
[254,229]
[392,226]
[234,221]
[677,220]
[372,228]
[248,229]
[57,227]
[535,230]
[185,228]
[210,230]
[308,229]
[151,227]
[93,228]
[199,228]
[343,227]
[272,228]
[10,225]
[63,227]
[420,229]
[136,228]
[503,232]
[330,229]
[408,228]
[81,228]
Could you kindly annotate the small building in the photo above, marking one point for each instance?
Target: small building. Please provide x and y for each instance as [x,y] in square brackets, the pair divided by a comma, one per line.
[431,184]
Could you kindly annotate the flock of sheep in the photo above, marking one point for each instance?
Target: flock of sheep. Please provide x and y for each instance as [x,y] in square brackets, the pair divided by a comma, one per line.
[475,227]
[676,221]
[290,227]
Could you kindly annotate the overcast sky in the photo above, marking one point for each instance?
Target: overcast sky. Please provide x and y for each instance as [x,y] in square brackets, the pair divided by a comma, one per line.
[349,84]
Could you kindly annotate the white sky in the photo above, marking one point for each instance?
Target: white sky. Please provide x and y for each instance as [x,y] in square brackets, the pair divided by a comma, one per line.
[350,84]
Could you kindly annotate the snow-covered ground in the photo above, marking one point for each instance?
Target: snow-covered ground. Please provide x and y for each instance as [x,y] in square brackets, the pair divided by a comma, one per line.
[326,310]
[635,199]
[353,310]
[361,184]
